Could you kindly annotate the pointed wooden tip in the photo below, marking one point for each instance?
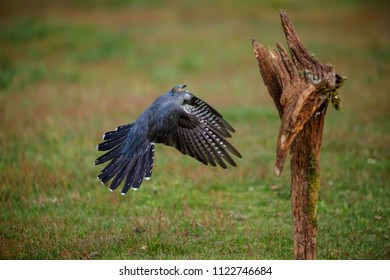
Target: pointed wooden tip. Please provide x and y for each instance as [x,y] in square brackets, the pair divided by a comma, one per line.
[254,43]
[283,16]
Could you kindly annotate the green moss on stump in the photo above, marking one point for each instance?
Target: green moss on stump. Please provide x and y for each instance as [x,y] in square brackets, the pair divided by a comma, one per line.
[313,185]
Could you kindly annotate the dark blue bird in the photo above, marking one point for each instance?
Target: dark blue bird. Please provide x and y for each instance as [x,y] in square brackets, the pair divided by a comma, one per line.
[177,119]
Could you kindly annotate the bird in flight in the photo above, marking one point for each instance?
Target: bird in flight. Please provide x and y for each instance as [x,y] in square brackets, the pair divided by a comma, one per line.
[178,119]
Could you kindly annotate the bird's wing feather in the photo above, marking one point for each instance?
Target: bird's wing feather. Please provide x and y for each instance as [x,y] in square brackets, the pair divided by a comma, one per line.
[201,133]
[204,111]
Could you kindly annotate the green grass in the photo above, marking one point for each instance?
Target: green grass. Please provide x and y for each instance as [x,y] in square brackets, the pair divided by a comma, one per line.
[71,71]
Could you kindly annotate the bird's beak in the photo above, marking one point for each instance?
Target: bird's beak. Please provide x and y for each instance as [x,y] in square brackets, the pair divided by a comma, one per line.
[186,91]
[183,88]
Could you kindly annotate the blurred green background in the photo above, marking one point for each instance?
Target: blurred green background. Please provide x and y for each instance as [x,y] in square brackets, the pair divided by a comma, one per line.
[72,70]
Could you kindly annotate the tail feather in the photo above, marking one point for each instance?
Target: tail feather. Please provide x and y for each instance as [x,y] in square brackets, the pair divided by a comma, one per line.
[118,132]
[109,144]
[139,174]
[107,174]
[114,143]
[109,165]
[115,152]
[141,168]
[130,179]
[149,162]
[121,174]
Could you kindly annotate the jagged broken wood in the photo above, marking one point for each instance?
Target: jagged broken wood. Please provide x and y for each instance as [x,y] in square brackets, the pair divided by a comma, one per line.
[301,88]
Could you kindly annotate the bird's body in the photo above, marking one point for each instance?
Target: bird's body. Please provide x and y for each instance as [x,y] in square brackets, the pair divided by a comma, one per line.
[177,119]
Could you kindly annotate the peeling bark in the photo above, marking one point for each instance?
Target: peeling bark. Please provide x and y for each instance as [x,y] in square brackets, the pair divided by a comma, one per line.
[301,88]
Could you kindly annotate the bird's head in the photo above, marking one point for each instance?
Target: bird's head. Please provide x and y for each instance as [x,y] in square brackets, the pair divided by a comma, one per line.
[179,90]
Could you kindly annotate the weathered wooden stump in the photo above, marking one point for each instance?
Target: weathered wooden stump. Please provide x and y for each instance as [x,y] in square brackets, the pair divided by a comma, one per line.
[301,88]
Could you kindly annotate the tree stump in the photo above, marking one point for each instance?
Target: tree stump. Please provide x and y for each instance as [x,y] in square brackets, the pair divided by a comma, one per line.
[301,88]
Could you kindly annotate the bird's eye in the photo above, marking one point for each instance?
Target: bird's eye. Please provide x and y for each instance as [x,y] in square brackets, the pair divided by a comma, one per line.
[175,89]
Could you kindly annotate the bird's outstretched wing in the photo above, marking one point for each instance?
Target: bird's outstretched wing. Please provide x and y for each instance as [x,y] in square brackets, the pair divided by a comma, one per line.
[201,133]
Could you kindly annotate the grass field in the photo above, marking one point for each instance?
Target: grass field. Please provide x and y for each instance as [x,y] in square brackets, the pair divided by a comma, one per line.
[73,70]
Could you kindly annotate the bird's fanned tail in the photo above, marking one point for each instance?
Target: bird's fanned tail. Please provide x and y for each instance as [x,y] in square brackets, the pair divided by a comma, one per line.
[128,165]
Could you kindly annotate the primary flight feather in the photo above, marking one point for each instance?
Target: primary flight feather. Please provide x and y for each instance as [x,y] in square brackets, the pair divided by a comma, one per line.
[178,119]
